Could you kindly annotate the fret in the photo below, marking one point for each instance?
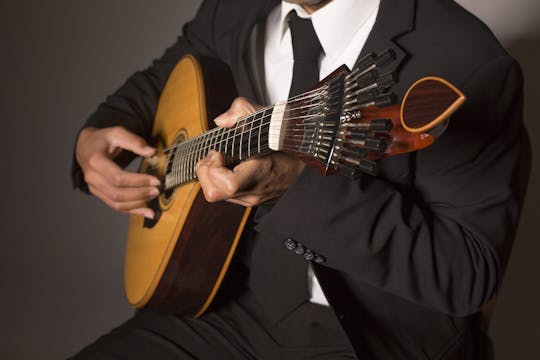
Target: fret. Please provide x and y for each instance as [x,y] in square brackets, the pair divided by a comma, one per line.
[177,159]
[186,157]
[260,130]
[180,161]
[253,134]
[194,157]
[205,149]
[220,141]
[241,124]
[226,134]
[233,141]
[249,136]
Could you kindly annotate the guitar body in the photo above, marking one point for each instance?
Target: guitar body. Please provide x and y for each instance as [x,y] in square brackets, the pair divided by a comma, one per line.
[176,263]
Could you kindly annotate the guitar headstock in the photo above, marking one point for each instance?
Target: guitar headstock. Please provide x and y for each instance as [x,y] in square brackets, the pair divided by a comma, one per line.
[358,125]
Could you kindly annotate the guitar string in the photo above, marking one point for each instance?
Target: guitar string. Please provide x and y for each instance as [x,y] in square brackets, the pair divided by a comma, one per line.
[309,95]
[184,165]
[207,143]
[254,115]
[226,135]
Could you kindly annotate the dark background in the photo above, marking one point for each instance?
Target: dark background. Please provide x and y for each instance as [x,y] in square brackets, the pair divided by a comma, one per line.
[61,252]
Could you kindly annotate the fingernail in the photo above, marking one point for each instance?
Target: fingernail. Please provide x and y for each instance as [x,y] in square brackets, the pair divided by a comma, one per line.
[149,214]
[154,192]
[149,149]
[155,182]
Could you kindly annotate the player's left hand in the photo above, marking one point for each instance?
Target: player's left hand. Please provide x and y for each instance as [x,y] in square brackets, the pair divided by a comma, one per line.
[252,182]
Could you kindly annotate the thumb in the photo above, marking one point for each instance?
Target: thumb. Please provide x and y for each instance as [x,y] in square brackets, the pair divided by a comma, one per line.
[240,107]
[121,138]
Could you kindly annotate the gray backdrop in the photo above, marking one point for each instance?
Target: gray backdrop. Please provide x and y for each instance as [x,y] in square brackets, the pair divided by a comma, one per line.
[61,253]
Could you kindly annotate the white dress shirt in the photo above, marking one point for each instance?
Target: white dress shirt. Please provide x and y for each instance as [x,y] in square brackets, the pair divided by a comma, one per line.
[342,27]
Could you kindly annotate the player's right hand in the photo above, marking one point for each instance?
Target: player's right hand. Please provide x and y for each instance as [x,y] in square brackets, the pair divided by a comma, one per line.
[122,190]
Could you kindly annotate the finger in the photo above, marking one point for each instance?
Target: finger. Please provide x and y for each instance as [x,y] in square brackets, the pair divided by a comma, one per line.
[205,169]
[119,137]
[146,212]
[117,177]
[138,207]
[240,107]
[121,194]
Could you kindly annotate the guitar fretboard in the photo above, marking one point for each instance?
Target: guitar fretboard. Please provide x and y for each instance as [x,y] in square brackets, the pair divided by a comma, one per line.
[247,138]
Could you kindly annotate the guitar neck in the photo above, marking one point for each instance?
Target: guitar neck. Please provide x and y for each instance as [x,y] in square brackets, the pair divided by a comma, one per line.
[249,137]
[344,123]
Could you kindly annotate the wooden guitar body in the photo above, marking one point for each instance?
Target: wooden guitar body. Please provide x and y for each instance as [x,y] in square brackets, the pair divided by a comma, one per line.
[166,268]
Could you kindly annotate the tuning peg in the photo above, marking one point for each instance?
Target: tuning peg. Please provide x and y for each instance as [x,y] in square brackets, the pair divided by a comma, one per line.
[384,100]
[367,78]
[350,171]
[369,167]
[381,125]
[354,152]
[366,62]
[367,96]
[379,101]
[354,172]
[386,80]
[357,133]
[385,58]
[375,144]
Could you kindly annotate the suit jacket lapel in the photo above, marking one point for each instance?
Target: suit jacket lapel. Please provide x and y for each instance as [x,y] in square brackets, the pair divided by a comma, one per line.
[240,63]
[394,19]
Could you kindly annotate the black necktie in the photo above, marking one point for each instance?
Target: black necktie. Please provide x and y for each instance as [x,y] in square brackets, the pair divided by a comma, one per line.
[306,51]
[279,276]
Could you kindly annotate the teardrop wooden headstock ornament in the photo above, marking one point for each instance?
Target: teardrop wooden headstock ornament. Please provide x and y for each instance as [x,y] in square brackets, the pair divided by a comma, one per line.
[428,103]
[371,128]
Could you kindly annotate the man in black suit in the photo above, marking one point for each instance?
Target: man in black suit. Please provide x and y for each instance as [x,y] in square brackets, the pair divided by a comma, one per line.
[407,259]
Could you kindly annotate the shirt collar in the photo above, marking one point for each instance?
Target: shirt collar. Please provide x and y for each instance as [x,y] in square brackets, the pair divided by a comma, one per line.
[335,23]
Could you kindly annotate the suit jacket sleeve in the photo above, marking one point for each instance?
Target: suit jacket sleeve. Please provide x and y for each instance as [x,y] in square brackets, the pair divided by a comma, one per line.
[438,240]
[134,104]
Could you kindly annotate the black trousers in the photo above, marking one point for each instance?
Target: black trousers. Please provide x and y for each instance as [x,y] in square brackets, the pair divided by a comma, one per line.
[236,329]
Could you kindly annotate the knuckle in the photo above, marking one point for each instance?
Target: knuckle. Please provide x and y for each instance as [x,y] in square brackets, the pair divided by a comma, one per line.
[93,161]
[211,195]
[118,180]
[208,196]
[231,187]
[239,101]
[117,206]
[115,196]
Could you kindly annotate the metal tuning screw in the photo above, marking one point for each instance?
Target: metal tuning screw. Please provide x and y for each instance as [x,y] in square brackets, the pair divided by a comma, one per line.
[367,78]
[350,171]
[354,172]
[381,125]
[385,58]
[375,144]
[366,62]
[386,80]
[369,167]
[354,152]
[384,100]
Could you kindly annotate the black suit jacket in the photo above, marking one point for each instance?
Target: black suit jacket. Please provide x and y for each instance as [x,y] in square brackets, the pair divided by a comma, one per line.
[413,254]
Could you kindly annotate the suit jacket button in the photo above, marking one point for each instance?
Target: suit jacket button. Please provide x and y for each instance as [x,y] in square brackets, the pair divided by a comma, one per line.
[319,259]
[290,244]
[300,249]
[308,255]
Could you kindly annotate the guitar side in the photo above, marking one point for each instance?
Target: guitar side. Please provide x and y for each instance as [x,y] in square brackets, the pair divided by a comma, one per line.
[177,263]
